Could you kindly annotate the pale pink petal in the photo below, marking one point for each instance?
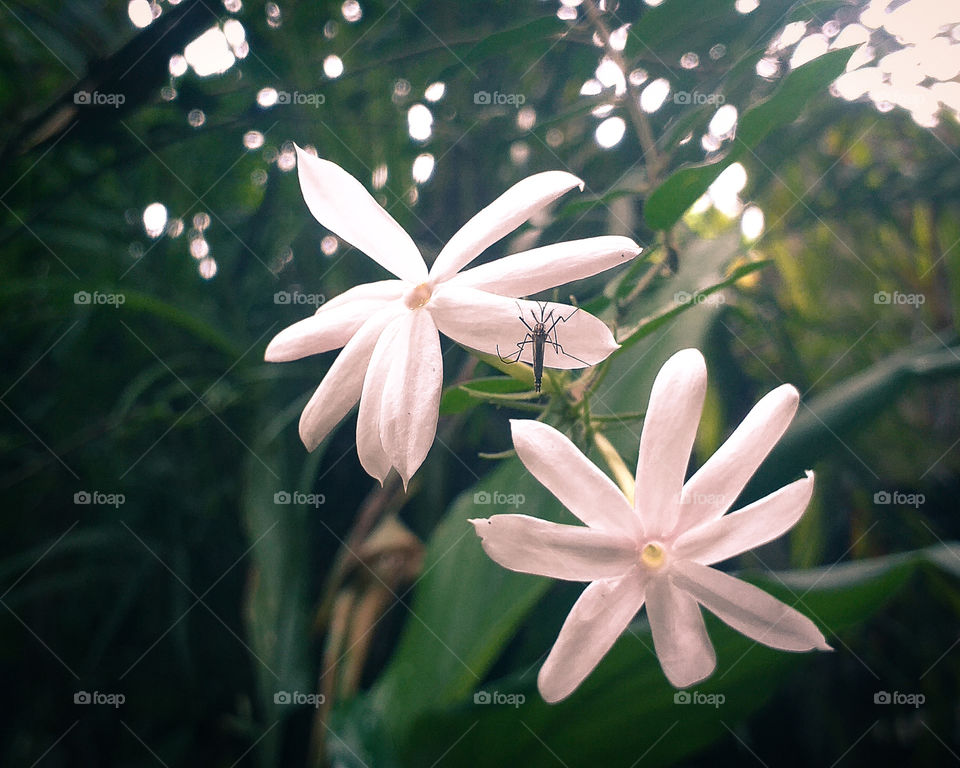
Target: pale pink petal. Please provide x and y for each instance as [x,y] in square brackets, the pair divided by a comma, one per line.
[342,204]
[752,526]
[717,484]
[370,451]
[669,430]
[748,609]
[679,634]
[571,552]
[492,324]
[501,217]
[410,404]
[570,476]
[597,619]
[340,388]
[529,272]
[333,324]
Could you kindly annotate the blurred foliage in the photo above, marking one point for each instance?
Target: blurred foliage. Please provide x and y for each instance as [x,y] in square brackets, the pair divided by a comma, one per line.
[200,598]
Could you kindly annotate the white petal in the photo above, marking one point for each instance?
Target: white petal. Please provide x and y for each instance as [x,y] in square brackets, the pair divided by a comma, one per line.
[570,476]
[411,394]
[493,324]
[529,272]
[571,552]
[597,619]
[669,430]
[370,451]
[501,217]
[384,290]
[333,325]
[679,634]
[340,388]
[748,609]
[342,204]
[717,484]
[755,524]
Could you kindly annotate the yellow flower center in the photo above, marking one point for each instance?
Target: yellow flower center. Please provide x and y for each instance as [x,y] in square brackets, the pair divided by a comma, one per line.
[418,296]
[653,556]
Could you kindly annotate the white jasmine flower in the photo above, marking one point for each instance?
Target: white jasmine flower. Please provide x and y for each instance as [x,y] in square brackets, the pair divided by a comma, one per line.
[388,329]
[656,551]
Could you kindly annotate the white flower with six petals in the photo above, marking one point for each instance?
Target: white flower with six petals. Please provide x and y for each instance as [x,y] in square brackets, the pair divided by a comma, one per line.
[657,551]
[391,359]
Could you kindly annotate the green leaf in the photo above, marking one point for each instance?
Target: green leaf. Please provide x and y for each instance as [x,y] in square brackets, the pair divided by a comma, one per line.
[466,607]
[671,199]
[489,389]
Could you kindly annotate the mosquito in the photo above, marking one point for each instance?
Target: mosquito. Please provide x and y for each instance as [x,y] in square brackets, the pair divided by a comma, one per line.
[538,334]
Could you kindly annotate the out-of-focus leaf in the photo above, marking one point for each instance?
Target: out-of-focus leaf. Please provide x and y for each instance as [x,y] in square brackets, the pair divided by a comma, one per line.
[671,199]
[824,422]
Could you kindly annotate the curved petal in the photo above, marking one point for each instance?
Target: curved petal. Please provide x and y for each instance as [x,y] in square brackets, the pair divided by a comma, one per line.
[501,217]
[576,481]
[340,388]
[501,326]
[370,451]
[756,524]
[669,430]
[570,552]
[680,638]
[333,325]
[410,403]
[529,272]
[342,204]
[597,619]
[717,484]
[748,609]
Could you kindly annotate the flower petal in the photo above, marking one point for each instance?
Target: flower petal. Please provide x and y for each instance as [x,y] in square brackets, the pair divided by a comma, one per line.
[493,324]
[669,430]
[411,394]
[755,524]
[679,634]
[570,476]
[370,451]
[340,388]
[597,619]
[333,324]
[529,272]
[501,217]
[716,485]
[748,609]
[570,552]
[342,204]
